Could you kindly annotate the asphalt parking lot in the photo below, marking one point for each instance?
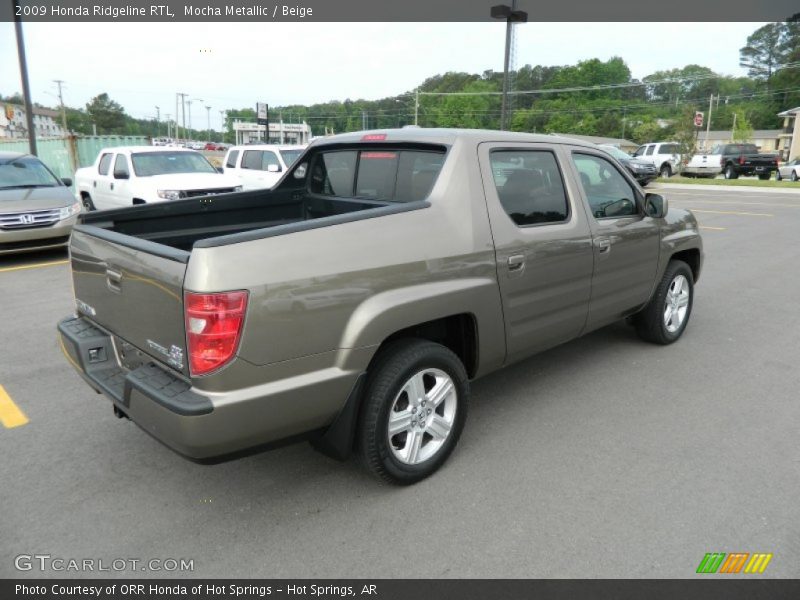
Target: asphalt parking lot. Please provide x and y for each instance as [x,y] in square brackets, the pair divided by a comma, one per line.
[606,457]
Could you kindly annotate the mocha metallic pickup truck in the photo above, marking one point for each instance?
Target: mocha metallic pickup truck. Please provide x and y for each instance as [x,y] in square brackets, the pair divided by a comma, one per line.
[353,303]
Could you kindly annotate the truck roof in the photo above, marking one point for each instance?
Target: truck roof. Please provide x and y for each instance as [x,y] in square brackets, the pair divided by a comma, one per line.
[150,149]
[445,137]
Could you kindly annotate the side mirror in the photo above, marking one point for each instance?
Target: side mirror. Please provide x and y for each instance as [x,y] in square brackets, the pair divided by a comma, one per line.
[220,169]
[66,181]
[121,175]
[655,206]
[273,168]
[300,171]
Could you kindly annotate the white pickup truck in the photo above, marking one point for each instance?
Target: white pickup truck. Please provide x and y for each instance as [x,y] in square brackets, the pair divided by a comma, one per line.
[260,166]
[144,174]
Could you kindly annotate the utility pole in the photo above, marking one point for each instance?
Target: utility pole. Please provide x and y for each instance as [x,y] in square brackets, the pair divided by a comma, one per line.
[733,128]
[60,82]
[183,113]
[708,125]
[158,120]
[222,125]
[416,107]
[26,89]
[169,125]
[189,131]
[624,114]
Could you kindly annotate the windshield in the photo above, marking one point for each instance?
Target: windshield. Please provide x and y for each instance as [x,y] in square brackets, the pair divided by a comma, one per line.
[147,164]
[289,156]
[616,153]
[25,172]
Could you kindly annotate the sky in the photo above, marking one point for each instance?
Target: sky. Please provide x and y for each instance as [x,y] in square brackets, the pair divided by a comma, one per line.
[234,65]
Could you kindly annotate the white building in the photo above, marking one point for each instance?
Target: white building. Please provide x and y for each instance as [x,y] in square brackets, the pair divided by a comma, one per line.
[279,133]
[13,124]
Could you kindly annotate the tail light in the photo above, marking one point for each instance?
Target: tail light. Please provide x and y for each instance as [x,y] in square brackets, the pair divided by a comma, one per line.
[213,328]
[741,160]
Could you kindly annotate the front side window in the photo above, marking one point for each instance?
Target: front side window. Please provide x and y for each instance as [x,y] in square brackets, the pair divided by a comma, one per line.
[650,150]
[640,150]
[608,192]
[530,186]
[121,166]
[268,159]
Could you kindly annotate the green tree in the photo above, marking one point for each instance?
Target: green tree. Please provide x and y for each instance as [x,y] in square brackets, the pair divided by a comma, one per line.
[106,114]
[764,51]
[742,130]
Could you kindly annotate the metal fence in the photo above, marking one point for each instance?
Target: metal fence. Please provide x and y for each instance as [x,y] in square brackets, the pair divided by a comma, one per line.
[65,154]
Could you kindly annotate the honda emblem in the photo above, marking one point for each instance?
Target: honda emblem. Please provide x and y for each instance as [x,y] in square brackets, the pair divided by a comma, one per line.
[26,219]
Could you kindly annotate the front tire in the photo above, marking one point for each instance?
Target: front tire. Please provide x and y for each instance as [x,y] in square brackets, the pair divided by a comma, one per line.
[665,317]
[666,171]
[778,176]
[88,204]
[413,411]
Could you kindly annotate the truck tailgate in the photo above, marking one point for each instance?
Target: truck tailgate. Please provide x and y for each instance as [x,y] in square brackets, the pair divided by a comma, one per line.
[132,292]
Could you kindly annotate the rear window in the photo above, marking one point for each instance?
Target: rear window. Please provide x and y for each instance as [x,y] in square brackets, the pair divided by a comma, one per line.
[393,175]
[232,156]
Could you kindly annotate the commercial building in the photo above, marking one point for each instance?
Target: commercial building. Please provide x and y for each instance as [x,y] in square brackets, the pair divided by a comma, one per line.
[767,140]
[279,133]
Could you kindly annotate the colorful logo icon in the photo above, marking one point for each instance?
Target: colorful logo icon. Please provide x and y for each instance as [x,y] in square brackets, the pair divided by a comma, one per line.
[720,562]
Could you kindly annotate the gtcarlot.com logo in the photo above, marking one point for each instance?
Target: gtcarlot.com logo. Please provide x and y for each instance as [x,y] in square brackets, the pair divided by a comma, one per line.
[720,562]
[47,562]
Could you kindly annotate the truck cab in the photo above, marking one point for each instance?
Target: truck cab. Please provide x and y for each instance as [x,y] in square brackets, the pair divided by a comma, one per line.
[260,166]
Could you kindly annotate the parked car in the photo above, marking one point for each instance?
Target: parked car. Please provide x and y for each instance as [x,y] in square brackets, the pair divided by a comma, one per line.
[642,171]
[37,209]
[789,170]
[215,147]
[663,156]
[354,302]
[732,160]
[144,174]
[260,166]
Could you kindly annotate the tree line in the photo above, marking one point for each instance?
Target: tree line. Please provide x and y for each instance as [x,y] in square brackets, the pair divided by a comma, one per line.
[592,97]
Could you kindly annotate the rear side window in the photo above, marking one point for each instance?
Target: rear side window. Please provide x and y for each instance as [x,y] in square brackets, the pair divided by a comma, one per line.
[105,162]
[379,174]
[668,149]
[232,156]
[530,186]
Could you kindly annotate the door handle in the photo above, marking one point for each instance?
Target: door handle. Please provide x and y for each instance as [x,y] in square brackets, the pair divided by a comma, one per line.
[114,280]
[603,245]
[112,185]
[94,184]
[516,262]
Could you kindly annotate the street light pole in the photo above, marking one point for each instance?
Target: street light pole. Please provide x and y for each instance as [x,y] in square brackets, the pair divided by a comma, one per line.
[208,113]
[511,15]
[158,121]
[26,88]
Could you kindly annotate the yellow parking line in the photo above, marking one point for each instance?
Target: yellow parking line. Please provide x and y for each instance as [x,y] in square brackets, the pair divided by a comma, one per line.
[10,414]
[731,212]
[713,228]
[34,266]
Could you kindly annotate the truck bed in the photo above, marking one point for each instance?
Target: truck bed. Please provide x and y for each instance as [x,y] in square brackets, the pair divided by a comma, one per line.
[220,219]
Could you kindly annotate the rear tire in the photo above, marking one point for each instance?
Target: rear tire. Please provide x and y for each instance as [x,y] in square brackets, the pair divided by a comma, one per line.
[764,176]
[794,176]
[665,317]
[730,172]
[421,390]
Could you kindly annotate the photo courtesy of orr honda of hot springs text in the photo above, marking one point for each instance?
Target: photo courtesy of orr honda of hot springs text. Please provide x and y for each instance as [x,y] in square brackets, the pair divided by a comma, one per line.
[353,303]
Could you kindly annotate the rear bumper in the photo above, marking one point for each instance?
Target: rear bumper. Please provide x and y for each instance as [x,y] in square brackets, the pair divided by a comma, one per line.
[204,425]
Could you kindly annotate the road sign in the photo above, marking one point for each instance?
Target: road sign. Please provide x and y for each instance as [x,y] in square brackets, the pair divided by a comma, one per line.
[262,113]
[698,119]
